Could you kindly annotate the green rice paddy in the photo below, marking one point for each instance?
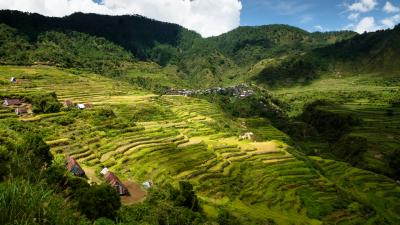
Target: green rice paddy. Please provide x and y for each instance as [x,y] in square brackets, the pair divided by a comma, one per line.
[172,138]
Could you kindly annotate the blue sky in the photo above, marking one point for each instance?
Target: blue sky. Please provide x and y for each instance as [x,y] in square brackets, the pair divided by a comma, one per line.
[322,15]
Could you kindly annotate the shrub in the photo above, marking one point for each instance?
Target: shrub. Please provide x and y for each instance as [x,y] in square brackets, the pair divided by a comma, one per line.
[350,148]
[4,160]
[23,202]
[65,120]
[224,217]
[41,151]
[44,103]
[187,197]
[98,201]
[330,124]
[106,112]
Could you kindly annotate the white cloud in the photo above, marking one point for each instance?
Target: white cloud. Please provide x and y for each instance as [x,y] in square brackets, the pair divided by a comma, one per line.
[363,6]
[391,21]
[208,17]
[390,8]
[367,24]
[319,28]
[353,16]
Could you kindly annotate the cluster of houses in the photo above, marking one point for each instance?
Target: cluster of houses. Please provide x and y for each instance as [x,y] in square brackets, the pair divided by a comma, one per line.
[240,91]
[247,136]
[20,107]
[74,167]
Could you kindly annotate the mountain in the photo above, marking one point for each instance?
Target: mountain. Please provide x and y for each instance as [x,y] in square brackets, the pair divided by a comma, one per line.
[374,52]
[306,133]
[202,62]
[248,45]
[134,33]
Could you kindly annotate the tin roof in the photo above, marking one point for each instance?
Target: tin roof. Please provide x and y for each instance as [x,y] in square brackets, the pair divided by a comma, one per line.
[74,167]
[13,102]
[114,181]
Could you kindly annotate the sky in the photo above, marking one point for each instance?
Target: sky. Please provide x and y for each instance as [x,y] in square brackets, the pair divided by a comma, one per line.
[214,17]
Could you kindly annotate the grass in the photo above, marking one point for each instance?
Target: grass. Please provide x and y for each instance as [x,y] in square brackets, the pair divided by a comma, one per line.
[173,138]
[366,97]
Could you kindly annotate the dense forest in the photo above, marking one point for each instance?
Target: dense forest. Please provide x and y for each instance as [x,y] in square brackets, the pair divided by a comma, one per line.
[106,44]
[369,52]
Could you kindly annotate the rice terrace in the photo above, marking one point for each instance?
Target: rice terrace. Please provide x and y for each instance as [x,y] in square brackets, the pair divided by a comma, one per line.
[129,120]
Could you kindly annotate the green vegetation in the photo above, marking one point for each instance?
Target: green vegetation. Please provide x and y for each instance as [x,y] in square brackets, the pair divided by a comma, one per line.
[353,123]
[375,52]
[108,45]
[316,142]
[170,139]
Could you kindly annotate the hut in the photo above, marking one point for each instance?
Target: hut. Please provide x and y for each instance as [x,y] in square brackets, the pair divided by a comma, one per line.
[88,105]
[148,184]
[68,103]
[84,106]
[115,182]
[21,110]
[248,135]
[11,102]
[80,106]
[74,167]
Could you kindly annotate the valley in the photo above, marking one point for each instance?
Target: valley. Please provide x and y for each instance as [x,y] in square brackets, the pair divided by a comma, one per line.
[261,125]
[142,136]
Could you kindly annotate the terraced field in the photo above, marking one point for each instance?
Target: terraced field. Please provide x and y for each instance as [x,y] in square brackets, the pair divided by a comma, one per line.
[142,136]
[368,98]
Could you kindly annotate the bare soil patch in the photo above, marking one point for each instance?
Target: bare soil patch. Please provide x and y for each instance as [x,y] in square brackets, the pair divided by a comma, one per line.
[137,194]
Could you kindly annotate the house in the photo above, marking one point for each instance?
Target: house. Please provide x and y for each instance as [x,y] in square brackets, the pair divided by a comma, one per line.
[148,184]
[84,106]
[80,106]
[74,167]
[115,182]
[68,103]
[13,80]
[88,106]
[21,110]
[11,102]
[248,135]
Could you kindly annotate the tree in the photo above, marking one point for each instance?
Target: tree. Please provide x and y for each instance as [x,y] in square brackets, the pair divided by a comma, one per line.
[4,158]
[98,201]
[40,151]
[187,197]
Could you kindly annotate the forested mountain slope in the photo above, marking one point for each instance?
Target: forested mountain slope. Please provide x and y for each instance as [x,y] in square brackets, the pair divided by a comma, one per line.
[208,62]
[248,45]
[377,52]
[134,33]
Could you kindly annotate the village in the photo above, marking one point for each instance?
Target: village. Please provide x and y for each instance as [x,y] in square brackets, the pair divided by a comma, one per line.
[239,91]
[24,109]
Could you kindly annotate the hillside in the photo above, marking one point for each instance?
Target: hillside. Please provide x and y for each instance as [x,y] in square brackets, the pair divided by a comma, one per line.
[261,125]
[222,60]
[168,139]
[375,52]
[136,34]
[248,45]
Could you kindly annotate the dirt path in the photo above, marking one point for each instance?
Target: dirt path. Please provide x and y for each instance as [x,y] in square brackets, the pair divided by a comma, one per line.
[91,174]
[137,194]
